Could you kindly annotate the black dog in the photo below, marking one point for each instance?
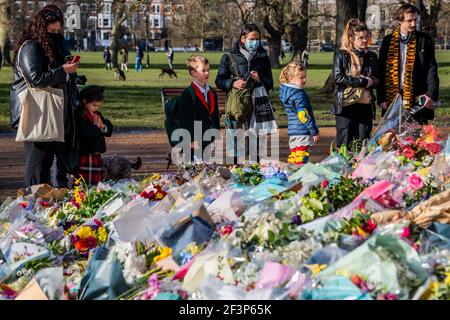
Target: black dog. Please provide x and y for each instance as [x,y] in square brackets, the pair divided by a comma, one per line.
[116,167]
[119,74]
[167,71]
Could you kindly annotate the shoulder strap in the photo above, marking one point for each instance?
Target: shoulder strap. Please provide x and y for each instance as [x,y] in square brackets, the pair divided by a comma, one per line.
[234,67]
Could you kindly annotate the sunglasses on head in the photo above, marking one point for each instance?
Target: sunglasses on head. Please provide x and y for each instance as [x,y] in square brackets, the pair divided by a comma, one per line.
[52,15]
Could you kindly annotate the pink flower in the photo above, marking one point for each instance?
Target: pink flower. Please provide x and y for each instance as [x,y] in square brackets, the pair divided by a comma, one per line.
[406,233]
[409,140]
[324,184]
[415,181]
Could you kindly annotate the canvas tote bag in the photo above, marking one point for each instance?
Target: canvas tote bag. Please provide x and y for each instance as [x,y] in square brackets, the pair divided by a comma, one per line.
[42,115]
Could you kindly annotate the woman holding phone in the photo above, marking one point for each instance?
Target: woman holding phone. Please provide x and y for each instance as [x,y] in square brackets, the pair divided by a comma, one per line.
[40,64]
[355,72]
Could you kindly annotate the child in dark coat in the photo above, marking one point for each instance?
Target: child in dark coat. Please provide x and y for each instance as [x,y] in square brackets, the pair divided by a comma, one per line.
[302,128]
[92,128]
[198,102]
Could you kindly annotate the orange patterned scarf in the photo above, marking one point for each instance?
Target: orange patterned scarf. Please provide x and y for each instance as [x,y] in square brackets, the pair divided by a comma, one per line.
[392,70]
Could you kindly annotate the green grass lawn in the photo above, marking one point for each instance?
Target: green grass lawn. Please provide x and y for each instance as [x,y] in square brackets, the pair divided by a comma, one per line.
[136,103]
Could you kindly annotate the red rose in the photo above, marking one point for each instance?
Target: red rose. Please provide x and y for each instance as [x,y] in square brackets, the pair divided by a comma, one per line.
[324,184]
[85,244]
[370,226]
[433,148]
[408,152]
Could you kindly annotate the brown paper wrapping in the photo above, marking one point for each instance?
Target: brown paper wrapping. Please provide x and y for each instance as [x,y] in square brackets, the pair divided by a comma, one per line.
[435,209]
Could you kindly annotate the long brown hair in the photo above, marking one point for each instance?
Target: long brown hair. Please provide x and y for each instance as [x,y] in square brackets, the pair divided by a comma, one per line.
[352,27]
[37,30]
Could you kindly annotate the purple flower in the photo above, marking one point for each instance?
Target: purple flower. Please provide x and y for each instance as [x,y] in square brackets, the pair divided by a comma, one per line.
[297,220]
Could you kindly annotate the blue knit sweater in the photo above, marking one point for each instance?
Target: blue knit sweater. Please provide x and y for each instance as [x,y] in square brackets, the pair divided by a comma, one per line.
[299,111]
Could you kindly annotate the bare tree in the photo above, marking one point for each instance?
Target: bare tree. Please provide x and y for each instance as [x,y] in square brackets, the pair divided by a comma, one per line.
[121,11]
[246,8]
[429,19]
[274,24]
[297,27]
[4,29]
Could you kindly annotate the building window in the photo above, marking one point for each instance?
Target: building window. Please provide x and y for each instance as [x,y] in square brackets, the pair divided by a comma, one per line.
[106,36]
[156,8]
[106,22]
[156,23]
[383,15]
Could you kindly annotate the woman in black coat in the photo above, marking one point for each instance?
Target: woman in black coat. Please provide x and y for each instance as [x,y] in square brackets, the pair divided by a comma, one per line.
[355,73]
[252,62]
[42,64]
[254,68]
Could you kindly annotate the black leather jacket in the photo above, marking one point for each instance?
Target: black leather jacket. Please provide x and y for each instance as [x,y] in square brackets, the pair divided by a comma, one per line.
[342,79]
[260,63]
[36,69]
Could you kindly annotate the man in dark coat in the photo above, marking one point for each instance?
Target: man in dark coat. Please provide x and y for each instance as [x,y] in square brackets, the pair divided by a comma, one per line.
[408,66]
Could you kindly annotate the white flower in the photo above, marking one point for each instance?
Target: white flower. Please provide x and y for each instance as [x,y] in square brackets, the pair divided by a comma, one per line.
[133,268]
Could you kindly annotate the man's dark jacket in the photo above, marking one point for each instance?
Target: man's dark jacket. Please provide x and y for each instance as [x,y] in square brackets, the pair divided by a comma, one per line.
[425,73]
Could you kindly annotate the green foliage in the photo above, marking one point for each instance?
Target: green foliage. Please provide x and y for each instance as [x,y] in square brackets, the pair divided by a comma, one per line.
[248,175]
[315,204]
[345,191]
[94,200]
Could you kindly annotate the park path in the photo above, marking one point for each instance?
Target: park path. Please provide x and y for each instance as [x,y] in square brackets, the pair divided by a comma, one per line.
[151,146]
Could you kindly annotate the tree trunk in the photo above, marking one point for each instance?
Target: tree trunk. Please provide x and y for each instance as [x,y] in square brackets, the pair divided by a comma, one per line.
[428,21]
[4,30]
[298,31]
[347,9]
[274,40]
[120,16]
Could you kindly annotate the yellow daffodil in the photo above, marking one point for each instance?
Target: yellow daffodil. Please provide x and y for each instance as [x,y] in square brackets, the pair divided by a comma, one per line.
[316,268]
[164,252]
[102,234]
[85,232]
[447,279]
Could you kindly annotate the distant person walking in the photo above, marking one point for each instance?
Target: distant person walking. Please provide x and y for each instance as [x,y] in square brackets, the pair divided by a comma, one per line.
[107,58]
[170,55]
[138,59]
[305,57]
[123,55]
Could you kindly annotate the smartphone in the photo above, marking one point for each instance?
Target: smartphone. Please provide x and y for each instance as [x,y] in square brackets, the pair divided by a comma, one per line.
[422,100]
[75,59]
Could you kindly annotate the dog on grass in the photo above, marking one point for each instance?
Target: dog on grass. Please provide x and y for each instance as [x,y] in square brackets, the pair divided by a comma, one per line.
[169,72]
[119,74]
[116,167]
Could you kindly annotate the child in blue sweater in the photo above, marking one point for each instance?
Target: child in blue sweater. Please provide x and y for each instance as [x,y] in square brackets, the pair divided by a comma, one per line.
[302,128]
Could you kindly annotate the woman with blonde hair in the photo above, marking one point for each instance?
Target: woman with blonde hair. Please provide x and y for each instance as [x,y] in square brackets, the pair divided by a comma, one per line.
[355,73]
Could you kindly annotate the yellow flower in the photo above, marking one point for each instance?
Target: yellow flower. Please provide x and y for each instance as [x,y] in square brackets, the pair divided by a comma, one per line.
[316,268]
[77,195]
[159,195]
[424,172]
[447,279]
[199,196]
[85,232]
[102,234]
[193,248]
[164,252]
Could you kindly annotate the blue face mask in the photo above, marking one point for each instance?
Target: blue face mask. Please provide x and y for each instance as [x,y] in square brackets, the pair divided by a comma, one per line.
[252,45]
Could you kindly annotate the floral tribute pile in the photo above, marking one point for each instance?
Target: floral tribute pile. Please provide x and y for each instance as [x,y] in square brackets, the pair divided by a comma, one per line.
[373,223]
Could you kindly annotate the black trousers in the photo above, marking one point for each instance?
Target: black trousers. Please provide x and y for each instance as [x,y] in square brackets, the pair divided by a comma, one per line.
[355,122]
[39,160]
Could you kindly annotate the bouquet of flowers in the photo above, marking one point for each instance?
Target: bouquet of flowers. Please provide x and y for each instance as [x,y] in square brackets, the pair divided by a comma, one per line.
[89,236]
[250,175]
